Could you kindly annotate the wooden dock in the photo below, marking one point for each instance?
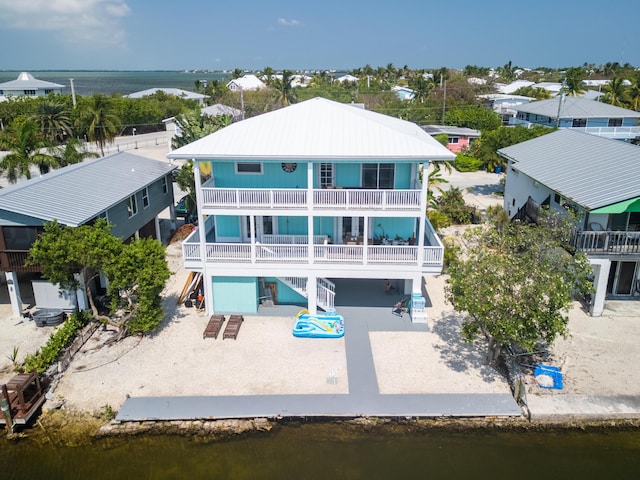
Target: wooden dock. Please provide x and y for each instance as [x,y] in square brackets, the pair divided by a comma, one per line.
[20,399]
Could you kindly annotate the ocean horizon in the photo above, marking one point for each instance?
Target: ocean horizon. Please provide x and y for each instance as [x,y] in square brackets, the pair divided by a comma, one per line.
[90,82]
[124,82]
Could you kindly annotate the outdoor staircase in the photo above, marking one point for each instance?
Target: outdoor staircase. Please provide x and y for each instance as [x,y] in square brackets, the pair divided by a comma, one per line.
[529,212]
[325,291]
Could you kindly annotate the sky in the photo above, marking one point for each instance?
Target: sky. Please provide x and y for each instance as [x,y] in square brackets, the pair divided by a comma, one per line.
[313,35]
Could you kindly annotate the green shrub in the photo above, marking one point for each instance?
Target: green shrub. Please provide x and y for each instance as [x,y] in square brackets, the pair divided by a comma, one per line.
[438,219]
[58,340]
[465,163]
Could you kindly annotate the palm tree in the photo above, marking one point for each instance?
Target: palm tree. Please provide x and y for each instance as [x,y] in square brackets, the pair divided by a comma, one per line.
[268,75]
[572,80]
[634,92]
[285,93]
[53,118]
[72,152]
[422,88]
[615,92]
[237,73]
[25,144]
[100,120]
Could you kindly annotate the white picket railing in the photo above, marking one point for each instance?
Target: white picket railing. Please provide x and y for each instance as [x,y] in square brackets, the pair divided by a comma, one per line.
[324,254]
[254,197]
[363,199]
[293,239]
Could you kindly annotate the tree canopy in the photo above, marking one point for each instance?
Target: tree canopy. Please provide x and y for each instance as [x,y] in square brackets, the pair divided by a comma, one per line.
[516,282]
[73,257]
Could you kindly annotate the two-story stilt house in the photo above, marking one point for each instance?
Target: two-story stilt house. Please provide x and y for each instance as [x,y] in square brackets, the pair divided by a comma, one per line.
[312,192]
[599,180]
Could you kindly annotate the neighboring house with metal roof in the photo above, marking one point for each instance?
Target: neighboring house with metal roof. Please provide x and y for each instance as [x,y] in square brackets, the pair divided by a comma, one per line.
[246,83]
[458,138]
[212,111]
[128,190]
[315,191]
[185,94]
[597,178]
[504,104]
[580,114]
[27,85]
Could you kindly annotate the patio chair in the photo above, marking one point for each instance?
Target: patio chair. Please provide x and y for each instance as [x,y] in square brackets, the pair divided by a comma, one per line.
[233,327]
[401,307]
[213,326]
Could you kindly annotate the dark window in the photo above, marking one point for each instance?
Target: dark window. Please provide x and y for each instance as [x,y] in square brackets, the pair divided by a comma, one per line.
[378,175]
[145,197]
[29,92]
[454,139]
[615,122]
[132,206]
[19,238]
[165,189]
[579,122]
[249,168]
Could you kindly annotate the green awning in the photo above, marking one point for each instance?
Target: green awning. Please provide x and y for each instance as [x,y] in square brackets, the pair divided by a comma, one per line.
[631,205]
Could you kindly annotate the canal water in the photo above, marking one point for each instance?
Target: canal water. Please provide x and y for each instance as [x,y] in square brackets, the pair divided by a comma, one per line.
[327,451]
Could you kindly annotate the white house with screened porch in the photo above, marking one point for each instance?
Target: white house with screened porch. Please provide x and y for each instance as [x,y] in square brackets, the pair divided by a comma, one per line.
[291,200]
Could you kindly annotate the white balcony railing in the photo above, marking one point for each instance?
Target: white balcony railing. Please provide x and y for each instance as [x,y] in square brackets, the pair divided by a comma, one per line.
[321,254]
[336,198]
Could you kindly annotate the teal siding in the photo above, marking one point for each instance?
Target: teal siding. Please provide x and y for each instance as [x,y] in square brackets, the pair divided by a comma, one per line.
[348,175]
[292,225]
[323,226]
[402,227]
[402,179]
[272,177]
[286,295]
[228,226]
[235,294]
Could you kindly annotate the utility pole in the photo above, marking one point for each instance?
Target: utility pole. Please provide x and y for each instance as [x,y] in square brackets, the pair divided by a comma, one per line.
[444,100]
[564,82]
[73,93]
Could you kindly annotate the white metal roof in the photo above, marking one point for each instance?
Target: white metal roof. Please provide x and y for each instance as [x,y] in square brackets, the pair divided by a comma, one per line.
[169,91]
[26,81]
[450,130]
[77,193]
[575,107]
[246,82]
[590,170]
[318,129]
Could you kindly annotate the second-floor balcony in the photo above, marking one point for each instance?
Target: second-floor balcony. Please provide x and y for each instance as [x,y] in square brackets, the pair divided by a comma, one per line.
[607,243]
[298,199]
[295,249]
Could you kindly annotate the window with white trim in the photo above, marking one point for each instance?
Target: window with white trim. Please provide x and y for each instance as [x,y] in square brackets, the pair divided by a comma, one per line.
[132,206]
[454,139]
[249,168]
[145,197]
[326,175]
[378,175]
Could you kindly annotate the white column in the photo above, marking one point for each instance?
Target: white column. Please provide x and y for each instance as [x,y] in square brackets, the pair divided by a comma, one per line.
[601,267]
[81,294]
[202,236]
[310,232]
[252,237]
[312,294]
[423,210]
[14,293]
[156,222]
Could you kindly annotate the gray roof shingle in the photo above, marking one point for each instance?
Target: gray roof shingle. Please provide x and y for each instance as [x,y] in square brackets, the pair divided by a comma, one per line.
[575,107]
